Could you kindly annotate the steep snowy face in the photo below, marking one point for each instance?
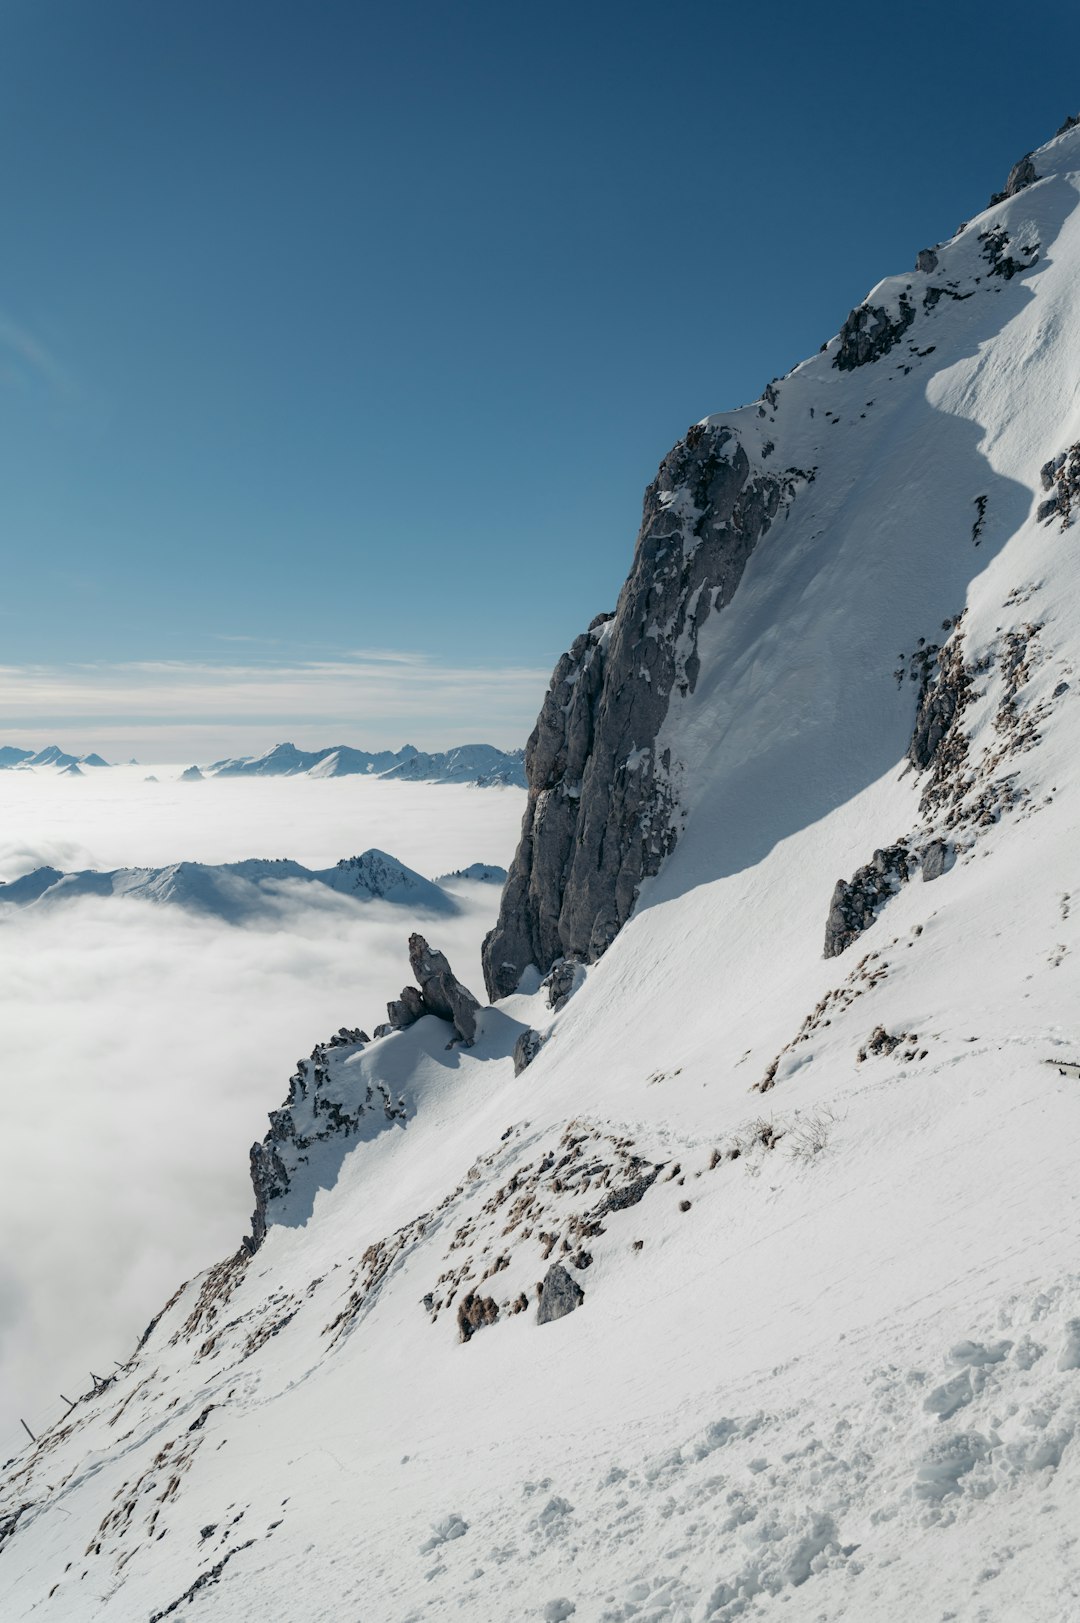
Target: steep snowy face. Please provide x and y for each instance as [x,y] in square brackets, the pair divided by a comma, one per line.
[619,746]
[603,799]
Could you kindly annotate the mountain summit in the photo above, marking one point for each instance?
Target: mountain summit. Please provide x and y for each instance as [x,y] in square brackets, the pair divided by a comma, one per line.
[733,1266]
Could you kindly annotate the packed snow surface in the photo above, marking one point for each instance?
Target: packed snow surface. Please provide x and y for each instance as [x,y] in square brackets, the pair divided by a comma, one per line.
[822,1215]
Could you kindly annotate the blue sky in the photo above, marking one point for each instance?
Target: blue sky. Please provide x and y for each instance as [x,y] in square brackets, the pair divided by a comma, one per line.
[339,341]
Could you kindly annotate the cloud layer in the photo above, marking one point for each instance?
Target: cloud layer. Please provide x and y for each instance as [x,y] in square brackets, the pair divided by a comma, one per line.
[115,818]
[142,1047]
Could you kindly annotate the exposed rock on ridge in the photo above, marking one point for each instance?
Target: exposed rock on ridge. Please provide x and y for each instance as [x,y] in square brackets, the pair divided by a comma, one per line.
[1021,174]
[602,811]
[856,901]
[946,690]
[440,993]
[965,788]
[325,1099]
[870,332]
[311,1114]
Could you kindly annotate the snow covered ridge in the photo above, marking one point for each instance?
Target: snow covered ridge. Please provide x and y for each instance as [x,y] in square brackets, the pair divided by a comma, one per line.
[329,1101]
[480,764]
[239,892]
[733,1266]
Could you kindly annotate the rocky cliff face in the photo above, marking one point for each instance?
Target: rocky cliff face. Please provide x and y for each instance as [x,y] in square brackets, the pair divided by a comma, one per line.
[603,801]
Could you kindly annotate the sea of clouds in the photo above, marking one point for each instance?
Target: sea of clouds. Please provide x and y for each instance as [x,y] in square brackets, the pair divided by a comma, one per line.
[141,1046]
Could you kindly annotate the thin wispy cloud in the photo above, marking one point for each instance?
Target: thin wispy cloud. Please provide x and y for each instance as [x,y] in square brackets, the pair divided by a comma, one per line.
[371,697]
[24,359]
[238,636]
[388,656]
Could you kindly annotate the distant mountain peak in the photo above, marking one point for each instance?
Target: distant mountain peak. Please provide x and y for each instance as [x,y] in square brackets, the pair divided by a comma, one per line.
[238,892]
[480,764]
[52,755]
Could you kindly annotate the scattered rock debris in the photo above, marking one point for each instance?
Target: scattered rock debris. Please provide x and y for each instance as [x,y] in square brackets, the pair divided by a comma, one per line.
[882,1042]
[869,972]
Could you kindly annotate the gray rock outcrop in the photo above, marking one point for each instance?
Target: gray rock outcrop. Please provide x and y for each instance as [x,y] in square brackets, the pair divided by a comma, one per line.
[1021,174]
[269,1178]
[1061,476]
[560,983]
[935,859]
[602,811]
[995,250]
[630,1193]
[944,694]
[870,332]
[316,1110]
[856,901]
[406,1009]
[560,1294]
[526,1049]
[439,993]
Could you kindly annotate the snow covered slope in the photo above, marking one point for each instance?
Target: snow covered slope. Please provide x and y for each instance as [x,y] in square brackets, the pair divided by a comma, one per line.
[732,1272]
[238,892]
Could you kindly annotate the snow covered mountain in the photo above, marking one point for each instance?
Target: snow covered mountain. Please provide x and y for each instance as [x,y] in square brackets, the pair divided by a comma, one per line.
[483,873]
[727,1262]
[11,755]
[481,764]
[237,892]
[286,761]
